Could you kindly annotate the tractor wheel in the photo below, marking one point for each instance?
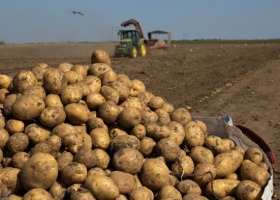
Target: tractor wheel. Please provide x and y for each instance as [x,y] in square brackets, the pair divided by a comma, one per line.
[143,50]
[133,52]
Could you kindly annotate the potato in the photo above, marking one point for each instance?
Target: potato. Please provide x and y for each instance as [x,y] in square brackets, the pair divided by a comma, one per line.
[264,166]
[76,113]
[19,159]
[86,157]
[156,102]
[94,100]
[201,154]
[82,194]
[254,154]
[149,117]
[23,79]
[169,192]
[74,173]
[37,193]
[3,94]
[100,138]
[73,77]
[157,131]
[137,86]
[9,176]
[147,145]
[193,135]
[65,66]
[96,171]
[102,158]
[52,116]
[181,115]
[183,167]
[54,80]
[64,159]
[124,79]
[139,131]
[220,188]
[219,145]
[129,117]
[85,88]
[121,88]
[14,197]
[248,190]
[38,70]
[124,181]
[71,94]
[95,122]
[154,173]
[121,197]
[58,190]
[80,69]
[253,172]
[17,142]
[227,162]
[177,132]
[163,116]
[124,141]
[203,173]
[102,187]
[2,121]
[93,82]
[141,193]
[109,112]
[189,187]
[14,126]
[53,100]
[98,69]
[110,94]
[108,77]
[168,149]
[1,157]
[145,96]
[8,103]
[168,107]
[5,81]
[194,197]
[41,170]
[36,90]
[128,160]
[100,56]
[233,176]
[37,133]
[133,102]
[203,127]
[63,129]
[27,107]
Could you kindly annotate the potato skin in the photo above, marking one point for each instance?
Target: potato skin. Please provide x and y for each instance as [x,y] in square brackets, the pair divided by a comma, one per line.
[253,172]
[129,117]
[100,56]
[41,170]
[221,187]
[125,181]
[52,116]
[71,94]
[254,154]
[154,173]
[23,79]
[9,176]
[37,133]
[183,167]
[124,141]
[4,135]
[204,173]
[53,100]
[74,173]
[27,107]
[54,80]
[19,159]
[76,113]
[169,192]
[227,162]
[248,190]
[102,187]
[181,115]
[37,193]
[17,142]
[188,186]
[168,149]
[194,135]
[141,193]
[201,154]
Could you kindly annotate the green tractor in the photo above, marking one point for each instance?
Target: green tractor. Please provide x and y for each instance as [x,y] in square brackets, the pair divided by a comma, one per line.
[132,42]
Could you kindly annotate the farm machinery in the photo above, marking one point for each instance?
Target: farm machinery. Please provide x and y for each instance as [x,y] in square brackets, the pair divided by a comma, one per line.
[133,42]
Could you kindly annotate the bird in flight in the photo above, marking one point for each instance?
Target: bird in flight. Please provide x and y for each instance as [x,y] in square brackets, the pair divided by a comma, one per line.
[76,12]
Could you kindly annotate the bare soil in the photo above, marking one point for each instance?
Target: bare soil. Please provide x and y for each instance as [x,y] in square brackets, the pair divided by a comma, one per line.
[242,80]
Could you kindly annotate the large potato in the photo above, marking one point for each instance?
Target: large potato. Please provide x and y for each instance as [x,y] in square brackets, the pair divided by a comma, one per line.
[94,100]
[53,100]
[254,154]
[102,187]
[14,126]
[76,113]
[201,154]
[227,162]
[4,135]
[251,171]
[71,94]
[220,188]
[124,141]
[39,70]
[141,193]
[169,192]
[109,112]
[5,81]
[168,149]
[100,138]
[37,193]
[108,77]
[52,116]
[147,145]
[110,94]
[128,160]
[154,173]
[9,176]
[203,173]
[177,132]
[181,115]
[124,181]
[194,135]
[17,142]
[36,90]
[129,117]
[23,79]
[28,107]
[188,186]
[248,190]
[37,133]
[54,80]
[40,171]
[183,167]
[93,82]
[74,173]
[100,56]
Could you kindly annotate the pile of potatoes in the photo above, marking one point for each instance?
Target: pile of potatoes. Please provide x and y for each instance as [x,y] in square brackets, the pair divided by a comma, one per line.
[86,132]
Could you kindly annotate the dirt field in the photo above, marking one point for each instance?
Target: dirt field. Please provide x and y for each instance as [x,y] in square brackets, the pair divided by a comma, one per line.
[213,80]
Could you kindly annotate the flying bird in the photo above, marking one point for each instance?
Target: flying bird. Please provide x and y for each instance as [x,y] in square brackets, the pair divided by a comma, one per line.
[76,12]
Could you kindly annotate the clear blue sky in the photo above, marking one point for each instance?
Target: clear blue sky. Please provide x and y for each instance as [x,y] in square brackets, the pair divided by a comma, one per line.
[25,21]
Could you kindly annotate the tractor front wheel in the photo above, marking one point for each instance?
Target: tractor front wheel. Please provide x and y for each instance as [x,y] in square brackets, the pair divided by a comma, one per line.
[133,52]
